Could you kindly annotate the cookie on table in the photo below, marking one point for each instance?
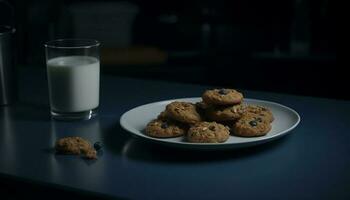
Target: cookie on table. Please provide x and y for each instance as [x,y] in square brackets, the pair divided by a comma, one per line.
[91,154]
[225,113]
[251,125]
[162,128]
[72,145]
[183,112]
[208,132]
[260,110]
[222,97]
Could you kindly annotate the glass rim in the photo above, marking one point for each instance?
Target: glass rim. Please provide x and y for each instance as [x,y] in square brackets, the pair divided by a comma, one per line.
[89,43]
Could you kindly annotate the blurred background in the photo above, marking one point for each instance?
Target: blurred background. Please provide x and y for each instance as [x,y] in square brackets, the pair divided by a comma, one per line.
[280,46]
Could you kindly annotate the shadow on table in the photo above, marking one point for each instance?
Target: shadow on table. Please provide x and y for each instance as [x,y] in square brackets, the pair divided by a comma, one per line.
[118,142]
[26,111]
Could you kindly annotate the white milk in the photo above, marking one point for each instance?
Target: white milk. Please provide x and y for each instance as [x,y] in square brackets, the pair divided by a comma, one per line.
[74,83]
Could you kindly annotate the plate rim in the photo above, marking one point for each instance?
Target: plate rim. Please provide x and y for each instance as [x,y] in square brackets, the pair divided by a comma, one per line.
[257,140]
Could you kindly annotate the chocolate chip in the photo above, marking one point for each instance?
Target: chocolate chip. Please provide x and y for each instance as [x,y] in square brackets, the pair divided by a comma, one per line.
[98,146]
[253,123]
[223,91]
[164,125]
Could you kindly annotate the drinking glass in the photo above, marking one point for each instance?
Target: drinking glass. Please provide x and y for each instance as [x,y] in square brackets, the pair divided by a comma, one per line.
[73,71]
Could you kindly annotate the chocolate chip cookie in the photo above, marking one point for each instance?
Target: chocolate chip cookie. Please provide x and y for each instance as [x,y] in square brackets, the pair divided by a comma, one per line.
[76,146]
[251,125]
[162,128]
[202,105]
[163,116]
[261,111]
[183,112]
[208,132]
[91,154]
[222,97]
[224,113]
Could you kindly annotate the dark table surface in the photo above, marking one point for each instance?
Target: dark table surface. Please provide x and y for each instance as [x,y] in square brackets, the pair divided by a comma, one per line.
[312,162]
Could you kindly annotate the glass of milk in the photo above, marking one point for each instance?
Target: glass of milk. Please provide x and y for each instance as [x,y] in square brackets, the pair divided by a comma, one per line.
[73,71]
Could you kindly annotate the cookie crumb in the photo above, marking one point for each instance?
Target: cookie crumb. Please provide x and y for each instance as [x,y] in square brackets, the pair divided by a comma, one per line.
[91,154]
[75,146]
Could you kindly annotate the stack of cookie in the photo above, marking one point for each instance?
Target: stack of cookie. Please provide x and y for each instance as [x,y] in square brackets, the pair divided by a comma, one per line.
[226,106]
[212,120]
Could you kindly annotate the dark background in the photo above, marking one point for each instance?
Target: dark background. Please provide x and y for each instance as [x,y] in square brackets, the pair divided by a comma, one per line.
[281,46]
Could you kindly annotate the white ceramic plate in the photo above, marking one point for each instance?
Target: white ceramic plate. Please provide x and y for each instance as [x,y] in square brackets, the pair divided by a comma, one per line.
[135,120]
